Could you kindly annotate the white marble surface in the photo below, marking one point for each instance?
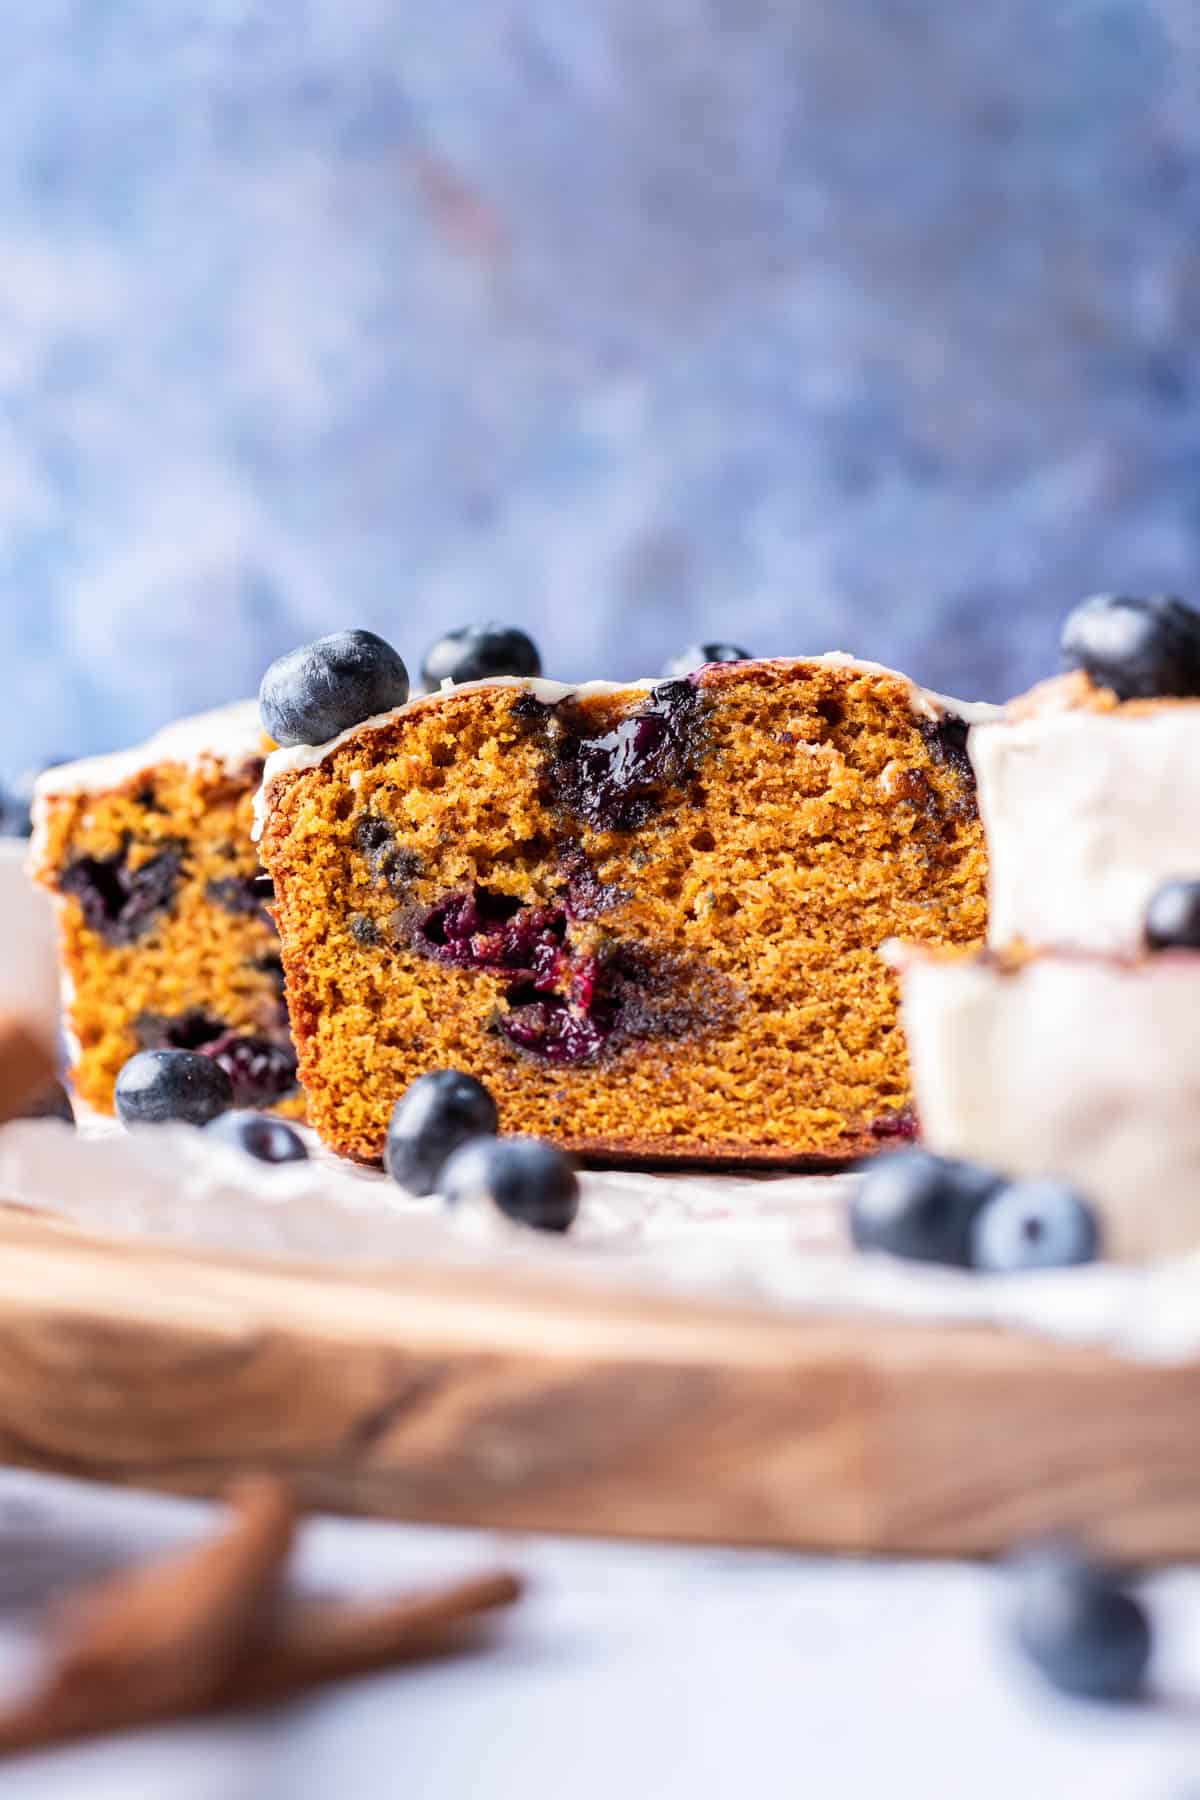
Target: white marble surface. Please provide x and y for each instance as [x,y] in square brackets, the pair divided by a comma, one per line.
[629,1670]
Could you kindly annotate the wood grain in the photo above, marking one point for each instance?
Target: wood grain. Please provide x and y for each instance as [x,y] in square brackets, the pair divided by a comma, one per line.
[475,1397]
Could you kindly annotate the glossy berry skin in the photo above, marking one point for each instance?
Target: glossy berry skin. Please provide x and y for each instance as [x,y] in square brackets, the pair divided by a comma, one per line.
[440,1113]
[529,1180]
[1173,917]
[1141,649]
[696,656]
[1076,1621]
[474,652]
[157,1087]
[323,688]
[258,1135]
[913,1204]
[1037,1224]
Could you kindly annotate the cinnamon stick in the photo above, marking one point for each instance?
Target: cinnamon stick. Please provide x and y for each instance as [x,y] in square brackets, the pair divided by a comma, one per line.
[162,1639]
[331,1641]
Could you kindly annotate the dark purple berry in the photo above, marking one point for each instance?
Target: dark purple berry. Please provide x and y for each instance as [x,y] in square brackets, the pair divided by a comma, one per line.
[529,1180]
[1173,917]
[261,1070]
[1036,1224]
[946,740]
[1140,648]
[158,1086]
[440,1112]
[616,779]
[246,895]
[698,656]
[1079,1624]
[266,1139]
[475,652]
[322,689]
[121,903]
[911,1203]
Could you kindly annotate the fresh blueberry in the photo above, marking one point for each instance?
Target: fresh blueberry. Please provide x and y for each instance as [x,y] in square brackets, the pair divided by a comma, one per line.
[1173,917]
[312,694]
[696,656]
[1139,648]
[529,1180]
[1077,1622]
[157,1086]
[439,1113]
[914,1204]
[1038,1224]
[477,651]
[267,1140]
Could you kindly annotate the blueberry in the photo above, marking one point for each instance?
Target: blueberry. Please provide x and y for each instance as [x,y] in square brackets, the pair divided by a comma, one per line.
[156,1086]
[439,1113]
[1139,648]
[914,1204]
[696,656]
[477,651]
[1173,917]
[261,1070]
[1039,1224]
[314,693]
[1079,1625]
[529,1180]
[267,1140]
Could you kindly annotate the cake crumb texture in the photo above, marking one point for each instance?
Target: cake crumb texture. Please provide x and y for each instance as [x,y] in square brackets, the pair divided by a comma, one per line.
[650,922]
[164,937]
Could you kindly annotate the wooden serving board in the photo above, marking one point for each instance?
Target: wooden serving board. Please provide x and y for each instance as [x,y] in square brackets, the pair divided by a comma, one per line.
[490,1398]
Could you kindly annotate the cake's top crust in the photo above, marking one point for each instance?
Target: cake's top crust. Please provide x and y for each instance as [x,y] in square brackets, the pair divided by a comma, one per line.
[230,736]
[1077,693]
[280,763]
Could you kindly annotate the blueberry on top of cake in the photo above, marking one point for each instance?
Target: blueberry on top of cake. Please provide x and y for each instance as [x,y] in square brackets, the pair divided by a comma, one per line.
[646,916]
[165,938]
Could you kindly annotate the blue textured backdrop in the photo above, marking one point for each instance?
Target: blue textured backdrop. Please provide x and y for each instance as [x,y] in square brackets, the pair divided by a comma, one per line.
[873,325]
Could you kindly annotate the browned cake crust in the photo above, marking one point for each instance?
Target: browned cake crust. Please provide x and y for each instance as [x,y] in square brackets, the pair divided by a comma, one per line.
[648,920]
[164,937]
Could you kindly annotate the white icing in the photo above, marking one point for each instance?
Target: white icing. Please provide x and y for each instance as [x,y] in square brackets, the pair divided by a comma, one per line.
[1077,1066]
[925,704]
[1086,814]
[230,736]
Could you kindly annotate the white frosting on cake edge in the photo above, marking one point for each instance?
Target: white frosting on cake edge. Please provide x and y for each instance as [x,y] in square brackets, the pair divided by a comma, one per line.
[229,735]
[1086,814]
[1080,1066]
[925,703]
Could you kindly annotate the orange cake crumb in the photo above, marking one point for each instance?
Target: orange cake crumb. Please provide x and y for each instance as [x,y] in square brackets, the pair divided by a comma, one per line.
[648,919]
[164,935]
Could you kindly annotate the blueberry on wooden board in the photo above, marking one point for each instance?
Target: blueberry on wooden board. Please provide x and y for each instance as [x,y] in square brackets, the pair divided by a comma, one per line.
[913,1204]
[529,1180]
[322,689]
[156,1087]
[1139,648]
[260,1136]
[440,1113]
[1173,917]
[1035,1224]
[475,652]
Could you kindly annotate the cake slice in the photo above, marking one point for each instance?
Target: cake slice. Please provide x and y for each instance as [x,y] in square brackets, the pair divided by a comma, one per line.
[646,917]
[164,936]
[1089,786]
[1069,1064]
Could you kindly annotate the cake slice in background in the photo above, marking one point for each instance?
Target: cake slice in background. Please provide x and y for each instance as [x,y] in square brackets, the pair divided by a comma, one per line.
[1089,786]
[647,917]
[1071,1064]
[163,936]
